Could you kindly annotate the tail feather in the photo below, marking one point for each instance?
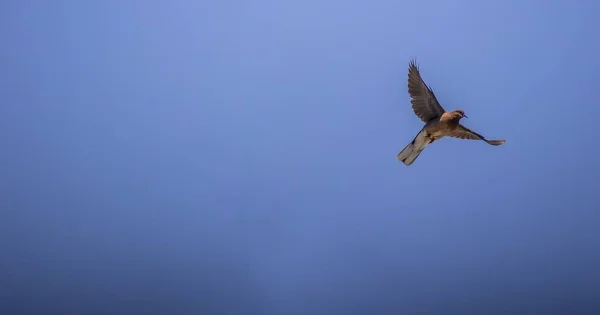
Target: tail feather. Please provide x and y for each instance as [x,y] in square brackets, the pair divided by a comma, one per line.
[410,153]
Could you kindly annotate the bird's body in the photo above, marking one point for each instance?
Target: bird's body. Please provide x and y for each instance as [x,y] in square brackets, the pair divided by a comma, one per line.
[438,122]
[439,127]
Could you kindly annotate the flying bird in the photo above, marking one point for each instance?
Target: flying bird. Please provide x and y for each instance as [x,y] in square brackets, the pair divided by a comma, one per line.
[438,122]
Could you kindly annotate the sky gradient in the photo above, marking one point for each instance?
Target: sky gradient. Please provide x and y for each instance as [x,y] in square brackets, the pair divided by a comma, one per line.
[239,157]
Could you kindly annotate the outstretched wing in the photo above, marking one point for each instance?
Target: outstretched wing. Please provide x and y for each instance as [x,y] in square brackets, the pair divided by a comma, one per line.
[422,99]
[462,132]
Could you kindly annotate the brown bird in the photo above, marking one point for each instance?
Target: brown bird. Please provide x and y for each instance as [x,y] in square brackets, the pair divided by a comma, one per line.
[438,122]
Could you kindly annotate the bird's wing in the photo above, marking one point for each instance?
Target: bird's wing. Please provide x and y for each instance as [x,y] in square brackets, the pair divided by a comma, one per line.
[462,132]
[422,99]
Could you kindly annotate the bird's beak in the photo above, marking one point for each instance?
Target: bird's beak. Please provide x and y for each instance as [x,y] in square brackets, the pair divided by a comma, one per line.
[465,116]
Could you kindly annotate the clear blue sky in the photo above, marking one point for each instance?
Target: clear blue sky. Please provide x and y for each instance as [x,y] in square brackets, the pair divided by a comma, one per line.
[238,157]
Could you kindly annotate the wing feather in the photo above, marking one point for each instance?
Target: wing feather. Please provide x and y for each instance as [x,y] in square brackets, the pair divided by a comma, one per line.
[462,132]
[423,100]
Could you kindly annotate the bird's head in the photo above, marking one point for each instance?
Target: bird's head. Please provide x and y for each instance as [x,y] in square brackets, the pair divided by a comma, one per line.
[458,114]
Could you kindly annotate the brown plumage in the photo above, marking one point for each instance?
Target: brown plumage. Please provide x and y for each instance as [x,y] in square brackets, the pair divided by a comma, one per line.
[438,122]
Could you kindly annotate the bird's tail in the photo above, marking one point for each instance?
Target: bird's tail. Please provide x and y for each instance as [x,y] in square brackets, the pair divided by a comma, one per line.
[410,153]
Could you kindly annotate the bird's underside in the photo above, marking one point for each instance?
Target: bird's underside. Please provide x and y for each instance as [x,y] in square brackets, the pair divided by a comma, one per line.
[438,122]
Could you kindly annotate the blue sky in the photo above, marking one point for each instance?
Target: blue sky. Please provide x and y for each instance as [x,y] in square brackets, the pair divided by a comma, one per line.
[231,157]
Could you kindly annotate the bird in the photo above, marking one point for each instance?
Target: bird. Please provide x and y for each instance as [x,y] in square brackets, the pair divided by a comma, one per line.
[438,122]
